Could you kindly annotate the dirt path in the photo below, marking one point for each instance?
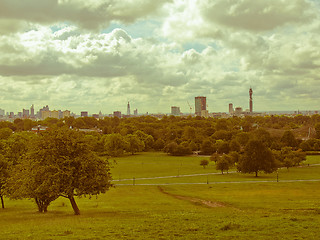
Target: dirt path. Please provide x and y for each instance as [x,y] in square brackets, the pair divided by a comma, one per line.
[197,201]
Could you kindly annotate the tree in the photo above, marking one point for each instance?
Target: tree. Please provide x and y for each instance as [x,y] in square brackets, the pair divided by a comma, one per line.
[3,177]
[5,133]
[215,157]
[224,163]
[204,163]
[288,139]
[114,144]
[257,157]
[234,145]
[206,147]
[134,144]
[159,144]
[60,163]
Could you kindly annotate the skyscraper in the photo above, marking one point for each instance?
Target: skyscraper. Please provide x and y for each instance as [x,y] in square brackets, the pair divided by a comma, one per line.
[32,111]
[175,111]
[250,101]
[200,105]
[128,109]
[231,110]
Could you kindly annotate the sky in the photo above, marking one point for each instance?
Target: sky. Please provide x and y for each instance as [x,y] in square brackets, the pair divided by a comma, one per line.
[92,55]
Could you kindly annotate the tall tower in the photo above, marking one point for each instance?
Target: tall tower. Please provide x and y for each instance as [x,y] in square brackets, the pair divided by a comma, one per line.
[231,110]
[250,101]
[32,111]
[200,105]
[128,109]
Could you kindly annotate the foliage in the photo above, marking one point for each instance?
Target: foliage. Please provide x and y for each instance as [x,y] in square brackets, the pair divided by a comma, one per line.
[114,144]
[224,163]
[134,144]
[59,163]
[257,157]
[206,147]
[204,163]
[288,139]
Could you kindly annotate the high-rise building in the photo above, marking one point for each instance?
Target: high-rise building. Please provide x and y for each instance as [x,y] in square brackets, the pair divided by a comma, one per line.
[32,111]
[200,105]
[2,112]
[45,114]
[250,100]
[128,109]
[117,114]
[84,114]
[66,113]
[231,110]
[25,113]
[175,111]
[135,112]
[54,114]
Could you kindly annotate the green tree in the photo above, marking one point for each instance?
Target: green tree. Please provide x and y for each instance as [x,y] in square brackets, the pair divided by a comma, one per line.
[159,144]
[257,157]
[204,163]
[5,133]
[114,144]
[60,163]
[206,147]
[134,144]
[317,128]
[288,139]
[3,177]
[234,145]
[215,157]
[223,164]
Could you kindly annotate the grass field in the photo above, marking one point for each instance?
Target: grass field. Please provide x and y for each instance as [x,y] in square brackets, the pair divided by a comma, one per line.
[231,206]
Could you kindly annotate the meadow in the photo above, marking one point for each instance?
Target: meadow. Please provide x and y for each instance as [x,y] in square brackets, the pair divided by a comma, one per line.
[162,197]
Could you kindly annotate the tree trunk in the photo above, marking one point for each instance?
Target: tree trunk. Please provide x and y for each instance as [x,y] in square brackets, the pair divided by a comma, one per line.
[256,173]
[74,205]
[2,202]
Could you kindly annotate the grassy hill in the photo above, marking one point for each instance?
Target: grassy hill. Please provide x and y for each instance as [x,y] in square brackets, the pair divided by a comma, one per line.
[175,206]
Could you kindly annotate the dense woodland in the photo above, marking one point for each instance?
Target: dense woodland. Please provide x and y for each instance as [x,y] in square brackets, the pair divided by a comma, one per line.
[67,162]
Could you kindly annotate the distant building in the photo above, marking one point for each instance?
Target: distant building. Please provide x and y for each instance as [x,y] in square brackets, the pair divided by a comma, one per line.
[117,114]
[128,109]
[2,112]
[238,110]
[231,110]
[175,111]
[250,100]
[45,114]
[65,113]
[135,112]
[39,128]
[45,108]
[205,113]
[95,116]
[54,114]
[84,114]
[25,113]
[32,111]
[200,105]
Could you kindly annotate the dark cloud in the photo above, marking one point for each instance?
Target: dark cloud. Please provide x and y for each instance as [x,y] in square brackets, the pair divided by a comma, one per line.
[86,14]
[258,15]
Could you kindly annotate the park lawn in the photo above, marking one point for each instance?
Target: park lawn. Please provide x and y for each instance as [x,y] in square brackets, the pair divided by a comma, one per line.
[259,210]
[155,164]
[144,212]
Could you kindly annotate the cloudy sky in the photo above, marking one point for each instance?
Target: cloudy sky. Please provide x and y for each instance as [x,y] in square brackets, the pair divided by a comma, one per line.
[98,54]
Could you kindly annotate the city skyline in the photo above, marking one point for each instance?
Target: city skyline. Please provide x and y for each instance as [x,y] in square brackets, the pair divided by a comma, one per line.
[94,55]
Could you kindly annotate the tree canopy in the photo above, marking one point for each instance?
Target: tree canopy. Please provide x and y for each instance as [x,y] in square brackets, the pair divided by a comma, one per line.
[257,157]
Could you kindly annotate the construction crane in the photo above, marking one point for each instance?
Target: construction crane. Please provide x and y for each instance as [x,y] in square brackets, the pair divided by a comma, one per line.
[189,107]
